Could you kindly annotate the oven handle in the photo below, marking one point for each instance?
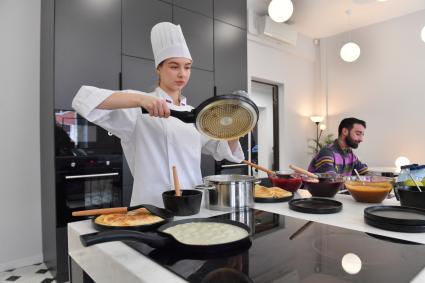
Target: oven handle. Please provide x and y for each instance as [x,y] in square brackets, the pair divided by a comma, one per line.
[91,175]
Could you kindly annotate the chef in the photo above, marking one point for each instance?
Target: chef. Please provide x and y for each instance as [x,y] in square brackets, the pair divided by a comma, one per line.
[154,142]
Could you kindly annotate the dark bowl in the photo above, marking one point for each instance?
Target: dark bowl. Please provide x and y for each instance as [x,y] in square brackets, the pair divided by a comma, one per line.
[286,180]
[188,203]
[410,196]
[328,185]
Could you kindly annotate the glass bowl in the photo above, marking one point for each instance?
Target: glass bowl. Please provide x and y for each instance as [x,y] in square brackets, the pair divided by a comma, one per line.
[286,180]
[371,189]
[327,186]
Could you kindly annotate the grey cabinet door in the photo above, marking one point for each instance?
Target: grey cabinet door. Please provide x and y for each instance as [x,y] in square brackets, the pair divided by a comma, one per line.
[200,88]
[231,11]
[198,31]
[138,74]
[204,7]
[139,16]
[87,47]
[230,58]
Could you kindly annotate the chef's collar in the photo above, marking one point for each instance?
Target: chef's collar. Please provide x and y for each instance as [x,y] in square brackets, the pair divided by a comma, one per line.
[168,98]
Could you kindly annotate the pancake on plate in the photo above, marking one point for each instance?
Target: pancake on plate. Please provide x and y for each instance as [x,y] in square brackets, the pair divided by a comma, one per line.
[273,192]
[137,217]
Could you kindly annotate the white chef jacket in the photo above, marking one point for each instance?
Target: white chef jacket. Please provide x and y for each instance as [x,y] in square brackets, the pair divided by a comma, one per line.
[153,145]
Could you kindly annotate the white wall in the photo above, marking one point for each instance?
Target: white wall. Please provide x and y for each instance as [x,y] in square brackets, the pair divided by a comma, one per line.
[293,69]
[20,236]
[385,87]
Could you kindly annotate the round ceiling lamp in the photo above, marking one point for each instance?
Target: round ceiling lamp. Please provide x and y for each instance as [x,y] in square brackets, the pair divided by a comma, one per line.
[350,52]
[423,34]
[280,10]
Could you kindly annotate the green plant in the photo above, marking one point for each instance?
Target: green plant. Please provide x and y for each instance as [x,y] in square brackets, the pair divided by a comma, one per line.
[315,145]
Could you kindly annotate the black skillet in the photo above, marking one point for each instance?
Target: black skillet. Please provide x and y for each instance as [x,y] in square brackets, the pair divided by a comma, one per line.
[162,239]
[165,214]
[222,117]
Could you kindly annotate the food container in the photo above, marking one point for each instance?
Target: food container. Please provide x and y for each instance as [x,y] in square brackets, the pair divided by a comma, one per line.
[411,196]
[371,189]
[228,192]
[326,186]
[188,203]
[286,180]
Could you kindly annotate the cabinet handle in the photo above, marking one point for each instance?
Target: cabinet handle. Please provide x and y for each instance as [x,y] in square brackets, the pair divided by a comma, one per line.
[120,81]
[91,175]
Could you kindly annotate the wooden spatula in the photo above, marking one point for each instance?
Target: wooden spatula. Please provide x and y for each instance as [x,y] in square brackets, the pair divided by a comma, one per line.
[261,168]
[176,182]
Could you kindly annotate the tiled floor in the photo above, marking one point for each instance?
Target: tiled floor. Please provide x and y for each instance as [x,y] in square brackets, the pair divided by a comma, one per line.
[36,273]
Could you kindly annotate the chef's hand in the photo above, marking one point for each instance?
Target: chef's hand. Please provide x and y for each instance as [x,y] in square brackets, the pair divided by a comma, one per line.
[155,106]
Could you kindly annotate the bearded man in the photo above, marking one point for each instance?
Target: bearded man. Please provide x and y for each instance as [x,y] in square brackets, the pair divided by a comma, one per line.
[339,157]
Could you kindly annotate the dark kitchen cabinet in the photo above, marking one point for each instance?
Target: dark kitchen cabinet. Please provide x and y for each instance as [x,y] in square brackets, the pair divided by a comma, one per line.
[138,74]
[200,88]
[198,31]
[232,12]
[230,58]
[139,16]
[87,47]
[204,7]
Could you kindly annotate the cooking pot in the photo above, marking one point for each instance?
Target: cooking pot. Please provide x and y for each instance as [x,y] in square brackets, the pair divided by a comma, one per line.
[228,192]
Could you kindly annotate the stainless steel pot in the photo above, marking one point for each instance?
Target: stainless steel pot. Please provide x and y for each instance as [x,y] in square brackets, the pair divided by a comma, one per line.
[228,192]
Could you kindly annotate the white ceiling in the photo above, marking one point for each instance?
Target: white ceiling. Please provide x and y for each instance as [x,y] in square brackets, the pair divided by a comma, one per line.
[323,18]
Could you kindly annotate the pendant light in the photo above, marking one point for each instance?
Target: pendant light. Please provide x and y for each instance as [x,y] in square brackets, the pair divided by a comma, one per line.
[350,51]
[280,10]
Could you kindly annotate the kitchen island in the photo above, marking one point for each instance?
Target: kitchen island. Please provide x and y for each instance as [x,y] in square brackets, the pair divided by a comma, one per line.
[117,262]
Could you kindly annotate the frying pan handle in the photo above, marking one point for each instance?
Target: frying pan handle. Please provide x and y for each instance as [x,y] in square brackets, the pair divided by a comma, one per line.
[185,116]
[153,240]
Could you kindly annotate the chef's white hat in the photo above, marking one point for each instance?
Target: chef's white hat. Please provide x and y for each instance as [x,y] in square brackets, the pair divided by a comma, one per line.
[168,41]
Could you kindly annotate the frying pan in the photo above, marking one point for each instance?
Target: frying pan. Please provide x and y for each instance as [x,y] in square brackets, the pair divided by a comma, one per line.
[162,239]
[223,117]
[166,215]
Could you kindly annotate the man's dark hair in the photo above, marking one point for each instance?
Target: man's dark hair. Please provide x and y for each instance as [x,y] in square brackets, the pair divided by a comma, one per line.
[349,123]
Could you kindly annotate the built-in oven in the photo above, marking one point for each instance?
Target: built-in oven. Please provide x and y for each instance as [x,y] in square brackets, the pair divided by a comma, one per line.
[88,166]
[87,183]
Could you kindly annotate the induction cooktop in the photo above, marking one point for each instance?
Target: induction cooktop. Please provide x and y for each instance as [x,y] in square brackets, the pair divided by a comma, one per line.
[287,249]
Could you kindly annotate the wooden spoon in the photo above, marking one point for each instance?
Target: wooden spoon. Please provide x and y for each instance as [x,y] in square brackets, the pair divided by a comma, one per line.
[261,168]
[100,211]
[305,172]
[176,182]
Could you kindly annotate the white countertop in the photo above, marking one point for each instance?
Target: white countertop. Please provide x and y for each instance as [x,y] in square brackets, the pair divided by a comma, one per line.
[117,262]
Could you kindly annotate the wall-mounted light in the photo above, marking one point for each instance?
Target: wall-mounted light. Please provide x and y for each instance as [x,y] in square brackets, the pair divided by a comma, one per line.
[350,51]
[401,161]
[423,34]
[280,10]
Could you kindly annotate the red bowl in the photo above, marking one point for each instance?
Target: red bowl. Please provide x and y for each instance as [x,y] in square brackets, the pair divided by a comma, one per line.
[289,182]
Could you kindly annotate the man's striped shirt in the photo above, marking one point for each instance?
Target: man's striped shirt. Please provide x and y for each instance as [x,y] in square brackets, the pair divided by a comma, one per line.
[334,159]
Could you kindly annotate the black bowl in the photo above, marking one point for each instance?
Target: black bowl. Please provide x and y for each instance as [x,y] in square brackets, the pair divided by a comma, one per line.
[411,196]
[188,203]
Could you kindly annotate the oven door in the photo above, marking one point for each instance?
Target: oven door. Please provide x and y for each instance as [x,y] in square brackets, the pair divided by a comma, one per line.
[91,189]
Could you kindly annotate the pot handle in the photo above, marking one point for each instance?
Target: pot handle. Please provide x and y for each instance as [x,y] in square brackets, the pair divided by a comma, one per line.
[204,187]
